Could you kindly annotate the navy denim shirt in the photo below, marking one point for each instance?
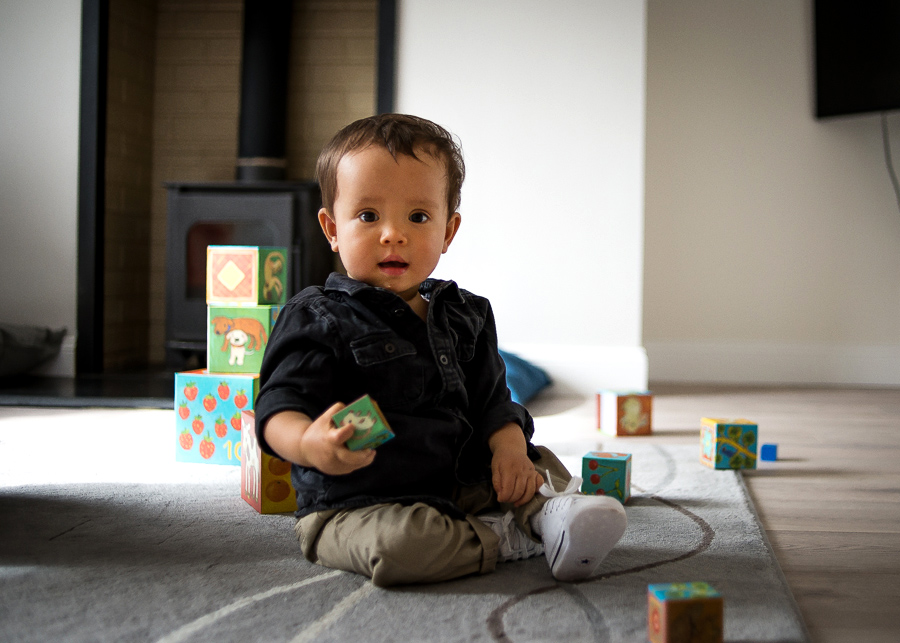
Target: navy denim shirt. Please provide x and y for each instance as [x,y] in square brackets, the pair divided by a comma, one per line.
[441,385]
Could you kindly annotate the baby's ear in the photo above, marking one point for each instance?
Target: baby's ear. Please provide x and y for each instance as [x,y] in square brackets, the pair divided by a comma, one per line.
[329,227]
[452,228]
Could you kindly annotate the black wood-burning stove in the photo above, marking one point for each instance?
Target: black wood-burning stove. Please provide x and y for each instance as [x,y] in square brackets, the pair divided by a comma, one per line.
[264,213]
[260,208]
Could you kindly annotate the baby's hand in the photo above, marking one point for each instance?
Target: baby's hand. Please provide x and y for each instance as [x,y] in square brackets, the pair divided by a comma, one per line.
[514,476]
[324,446]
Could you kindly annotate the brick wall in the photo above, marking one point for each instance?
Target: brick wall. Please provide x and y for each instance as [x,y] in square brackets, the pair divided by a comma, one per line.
[132,26]
[192,119]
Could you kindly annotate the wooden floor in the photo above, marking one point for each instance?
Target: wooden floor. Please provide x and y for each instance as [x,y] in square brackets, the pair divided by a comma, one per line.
[830,504]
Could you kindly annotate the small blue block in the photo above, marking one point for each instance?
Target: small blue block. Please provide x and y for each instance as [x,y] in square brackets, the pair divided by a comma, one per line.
[768,452]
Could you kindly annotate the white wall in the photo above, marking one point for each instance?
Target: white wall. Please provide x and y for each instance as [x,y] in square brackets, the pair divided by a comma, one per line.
[772,239]
[40,46]
[548,101]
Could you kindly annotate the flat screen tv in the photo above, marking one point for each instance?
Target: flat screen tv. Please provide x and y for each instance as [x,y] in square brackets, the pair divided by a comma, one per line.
[857,56]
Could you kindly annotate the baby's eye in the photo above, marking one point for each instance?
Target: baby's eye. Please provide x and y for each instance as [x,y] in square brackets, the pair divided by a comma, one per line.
[368,217]
[418,217]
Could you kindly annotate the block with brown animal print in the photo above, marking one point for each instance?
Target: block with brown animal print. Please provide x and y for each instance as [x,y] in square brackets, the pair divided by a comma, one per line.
[237,336]
[246,275]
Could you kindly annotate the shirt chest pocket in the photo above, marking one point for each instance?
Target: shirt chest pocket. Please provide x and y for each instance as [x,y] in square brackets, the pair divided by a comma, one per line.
[391,372]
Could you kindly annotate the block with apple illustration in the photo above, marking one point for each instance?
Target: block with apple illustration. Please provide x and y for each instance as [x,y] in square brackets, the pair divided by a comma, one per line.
[208,415]
[246,275]
[236,337]
[265,480]
[606,474]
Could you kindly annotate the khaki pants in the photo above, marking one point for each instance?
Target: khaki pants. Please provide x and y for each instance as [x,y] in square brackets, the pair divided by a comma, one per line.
[397,544]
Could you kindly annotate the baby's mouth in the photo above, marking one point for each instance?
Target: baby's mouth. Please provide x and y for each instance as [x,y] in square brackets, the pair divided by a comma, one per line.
[393,263]
[393,267]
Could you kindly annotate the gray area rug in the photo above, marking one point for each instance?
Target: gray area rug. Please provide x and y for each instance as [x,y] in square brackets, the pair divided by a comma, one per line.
[189,561]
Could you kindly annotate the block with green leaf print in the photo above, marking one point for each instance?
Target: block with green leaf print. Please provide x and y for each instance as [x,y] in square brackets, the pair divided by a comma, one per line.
[728,444]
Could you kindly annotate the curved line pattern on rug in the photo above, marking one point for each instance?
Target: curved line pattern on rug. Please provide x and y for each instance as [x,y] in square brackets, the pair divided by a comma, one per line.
[495,619]
[185,631]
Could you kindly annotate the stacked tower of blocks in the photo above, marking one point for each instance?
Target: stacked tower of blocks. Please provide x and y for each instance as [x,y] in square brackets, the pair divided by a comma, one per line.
[625,413]
[684,612]
[245,291]
[728,444]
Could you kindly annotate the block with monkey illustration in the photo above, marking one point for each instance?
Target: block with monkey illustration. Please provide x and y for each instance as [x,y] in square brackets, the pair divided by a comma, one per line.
[208,415]
[237,336]
[625,413]
[246,275]
[265,480]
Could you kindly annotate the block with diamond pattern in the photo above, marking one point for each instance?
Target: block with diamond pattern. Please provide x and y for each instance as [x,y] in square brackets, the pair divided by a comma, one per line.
[246,275]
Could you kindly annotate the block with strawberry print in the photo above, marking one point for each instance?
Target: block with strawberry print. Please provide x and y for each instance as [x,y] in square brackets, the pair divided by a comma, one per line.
[606,474]
[236,337]
[265,480]
[246,275]
[208,415]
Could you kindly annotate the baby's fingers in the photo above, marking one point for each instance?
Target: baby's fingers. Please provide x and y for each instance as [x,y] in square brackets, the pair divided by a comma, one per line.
[510,487]
[353,460]
[524,490]
[504,485]
[340,435]
[534,483]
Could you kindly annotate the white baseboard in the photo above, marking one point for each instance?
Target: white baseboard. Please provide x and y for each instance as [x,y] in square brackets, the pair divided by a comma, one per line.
[583,370]
[774,363]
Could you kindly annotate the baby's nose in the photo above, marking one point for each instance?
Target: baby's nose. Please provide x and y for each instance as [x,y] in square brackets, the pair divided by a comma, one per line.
[392,234]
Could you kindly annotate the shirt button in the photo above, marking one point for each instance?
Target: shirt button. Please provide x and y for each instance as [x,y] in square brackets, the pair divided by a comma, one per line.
[398,312]
[389,348]
[443,360]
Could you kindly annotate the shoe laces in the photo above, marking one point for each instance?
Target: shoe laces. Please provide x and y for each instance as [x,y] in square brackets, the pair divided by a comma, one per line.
[514,543]
[549,491]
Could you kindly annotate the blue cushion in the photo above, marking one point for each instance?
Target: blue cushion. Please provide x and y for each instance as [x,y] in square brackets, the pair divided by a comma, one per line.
[524,379]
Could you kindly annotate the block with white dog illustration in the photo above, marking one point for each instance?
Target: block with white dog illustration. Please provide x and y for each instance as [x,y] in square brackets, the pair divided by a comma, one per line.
[265,480]
[246,275]
[237,336]
[370,428]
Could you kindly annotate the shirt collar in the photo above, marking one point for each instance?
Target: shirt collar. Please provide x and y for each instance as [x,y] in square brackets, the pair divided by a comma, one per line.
[430,288]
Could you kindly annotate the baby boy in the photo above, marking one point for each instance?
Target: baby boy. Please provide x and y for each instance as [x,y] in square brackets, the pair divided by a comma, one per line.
[461,486]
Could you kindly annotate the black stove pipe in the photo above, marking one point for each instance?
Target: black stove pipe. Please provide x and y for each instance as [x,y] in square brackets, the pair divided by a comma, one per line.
[264,83]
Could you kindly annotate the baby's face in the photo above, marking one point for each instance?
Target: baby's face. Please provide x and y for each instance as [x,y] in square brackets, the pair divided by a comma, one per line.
[390,222]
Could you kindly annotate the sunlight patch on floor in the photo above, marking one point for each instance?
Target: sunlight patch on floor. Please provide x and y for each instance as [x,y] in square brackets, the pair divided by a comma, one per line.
[55,446]
[59,445]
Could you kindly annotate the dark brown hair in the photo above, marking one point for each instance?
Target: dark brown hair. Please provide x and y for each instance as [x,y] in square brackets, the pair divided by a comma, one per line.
[398,134]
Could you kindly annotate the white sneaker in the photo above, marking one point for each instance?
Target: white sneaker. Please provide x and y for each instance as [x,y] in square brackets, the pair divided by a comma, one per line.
[578,531]
[514,543]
